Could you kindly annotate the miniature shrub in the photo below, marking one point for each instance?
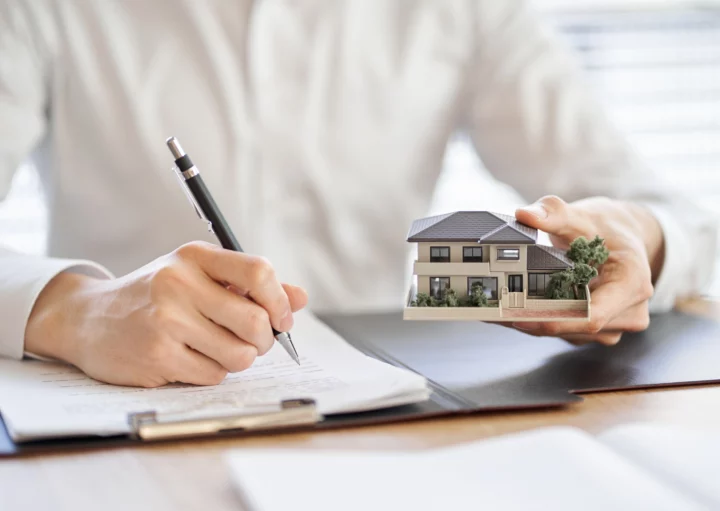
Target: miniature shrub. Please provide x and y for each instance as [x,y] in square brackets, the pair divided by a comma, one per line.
[422,300]
[586,257]
[450,299]
[477,297]
[465,301]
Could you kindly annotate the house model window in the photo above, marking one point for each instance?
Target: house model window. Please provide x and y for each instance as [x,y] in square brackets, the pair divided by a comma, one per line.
[508,254]
[489,286]
[472,254]
[439,254]
[537,283]
[438,286]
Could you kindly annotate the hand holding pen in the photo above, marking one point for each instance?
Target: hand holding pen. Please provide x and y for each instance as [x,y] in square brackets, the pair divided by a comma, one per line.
[171,320]
[209,212]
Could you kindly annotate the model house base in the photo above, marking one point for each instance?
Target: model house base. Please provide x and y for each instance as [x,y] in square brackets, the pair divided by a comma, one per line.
[535,310]
[470,252]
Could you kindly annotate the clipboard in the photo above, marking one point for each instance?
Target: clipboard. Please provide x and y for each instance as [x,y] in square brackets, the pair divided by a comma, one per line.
[149,426]
[470,367]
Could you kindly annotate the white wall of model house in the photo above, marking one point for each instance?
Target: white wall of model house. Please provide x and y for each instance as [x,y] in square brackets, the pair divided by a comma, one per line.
[459,272]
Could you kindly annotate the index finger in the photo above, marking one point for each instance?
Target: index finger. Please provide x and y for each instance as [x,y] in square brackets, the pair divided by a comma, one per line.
[253,275]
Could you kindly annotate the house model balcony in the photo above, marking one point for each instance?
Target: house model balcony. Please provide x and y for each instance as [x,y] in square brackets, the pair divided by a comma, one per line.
[469,251]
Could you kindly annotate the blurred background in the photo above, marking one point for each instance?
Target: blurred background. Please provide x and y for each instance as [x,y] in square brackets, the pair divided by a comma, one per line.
[655,64]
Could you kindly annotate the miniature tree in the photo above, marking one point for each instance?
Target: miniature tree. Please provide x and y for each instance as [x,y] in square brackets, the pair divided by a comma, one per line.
[560,286]
[582,275]
[478,298]
[586,257]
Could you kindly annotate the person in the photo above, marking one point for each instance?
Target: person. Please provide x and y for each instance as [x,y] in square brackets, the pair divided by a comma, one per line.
[320,128]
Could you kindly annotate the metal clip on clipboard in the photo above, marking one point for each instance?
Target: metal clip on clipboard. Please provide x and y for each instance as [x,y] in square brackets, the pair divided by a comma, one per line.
[294,412]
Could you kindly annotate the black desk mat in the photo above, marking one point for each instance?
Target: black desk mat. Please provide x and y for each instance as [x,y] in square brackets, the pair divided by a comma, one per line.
[478,367]
[495,367]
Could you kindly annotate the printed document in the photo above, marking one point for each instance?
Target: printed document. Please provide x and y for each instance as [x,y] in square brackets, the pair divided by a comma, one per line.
[46,400]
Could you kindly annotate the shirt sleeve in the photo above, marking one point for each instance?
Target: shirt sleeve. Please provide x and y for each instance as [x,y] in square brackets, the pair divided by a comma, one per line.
[24,58]
[22,278]
[538,128]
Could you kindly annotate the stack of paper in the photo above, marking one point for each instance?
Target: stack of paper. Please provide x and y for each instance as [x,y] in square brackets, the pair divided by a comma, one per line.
[44,400]
[633,467]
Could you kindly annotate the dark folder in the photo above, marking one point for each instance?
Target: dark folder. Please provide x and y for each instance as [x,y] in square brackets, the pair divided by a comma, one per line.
[471,367]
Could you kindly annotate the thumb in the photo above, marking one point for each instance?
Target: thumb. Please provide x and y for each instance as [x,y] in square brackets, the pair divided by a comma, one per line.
[554,216]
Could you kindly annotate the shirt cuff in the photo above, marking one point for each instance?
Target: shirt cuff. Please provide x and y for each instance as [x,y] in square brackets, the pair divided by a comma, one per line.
[22,279]
[672,281]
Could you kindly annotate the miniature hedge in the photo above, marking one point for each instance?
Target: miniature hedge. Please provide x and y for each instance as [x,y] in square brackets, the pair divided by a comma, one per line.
[450,298]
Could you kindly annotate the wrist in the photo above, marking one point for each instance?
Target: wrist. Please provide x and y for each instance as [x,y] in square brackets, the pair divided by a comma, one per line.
[53,324]
[651,233]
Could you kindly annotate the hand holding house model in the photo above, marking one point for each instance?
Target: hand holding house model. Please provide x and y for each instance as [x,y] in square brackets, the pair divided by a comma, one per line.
[478,265]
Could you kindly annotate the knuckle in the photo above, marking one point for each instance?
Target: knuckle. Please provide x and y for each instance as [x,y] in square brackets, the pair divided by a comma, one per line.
[640,324]
[263,347]
[596,323]
[647,290]
[553,202]
[610,340]
[258,322]
[192,249]
[261,271]
[163,320]
[169,278]
[214,376]
[242,358]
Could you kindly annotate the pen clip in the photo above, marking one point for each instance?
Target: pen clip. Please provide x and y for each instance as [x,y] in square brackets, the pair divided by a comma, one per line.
[193,202]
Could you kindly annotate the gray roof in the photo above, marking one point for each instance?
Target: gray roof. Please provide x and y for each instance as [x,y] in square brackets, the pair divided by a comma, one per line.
[540,257]
[476,226]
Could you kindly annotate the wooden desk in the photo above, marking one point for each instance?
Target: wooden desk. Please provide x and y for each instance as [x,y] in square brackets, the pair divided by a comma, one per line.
[192,475]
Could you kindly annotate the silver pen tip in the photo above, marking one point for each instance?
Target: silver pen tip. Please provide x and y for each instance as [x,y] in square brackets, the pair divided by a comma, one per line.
[292,351]
[175,147]
[286,342]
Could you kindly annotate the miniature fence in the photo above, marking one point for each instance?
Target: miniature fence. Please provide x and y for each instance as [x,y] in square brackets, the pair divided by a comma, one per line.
[453,313]
[548,304]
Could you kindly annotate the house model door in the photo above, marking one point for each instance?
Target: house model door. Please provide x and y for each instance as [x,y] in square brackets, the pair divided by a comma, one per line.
[515,288]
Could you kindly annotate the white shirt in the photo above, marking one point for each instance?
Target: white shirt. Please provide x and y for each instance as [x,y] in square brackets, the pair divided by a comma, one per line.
[319,125]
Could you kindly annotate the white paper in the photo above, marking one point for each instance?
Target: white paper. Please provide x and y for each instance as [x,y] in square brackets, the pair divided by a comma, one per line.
[687,459]
[40,399]
[556,468]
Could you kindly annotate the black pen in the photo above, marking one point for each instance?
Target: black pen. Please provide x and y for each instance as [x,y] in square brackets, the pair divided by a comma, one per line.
[208,211]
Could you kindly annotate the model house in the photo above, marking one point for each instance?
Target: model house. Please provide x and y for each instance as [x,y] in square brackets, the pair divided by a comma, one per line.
[466,248]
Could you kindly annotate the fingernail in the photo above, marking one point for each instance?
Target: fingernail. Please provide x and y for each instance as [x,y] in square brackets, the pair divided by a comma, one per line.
[536,209]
